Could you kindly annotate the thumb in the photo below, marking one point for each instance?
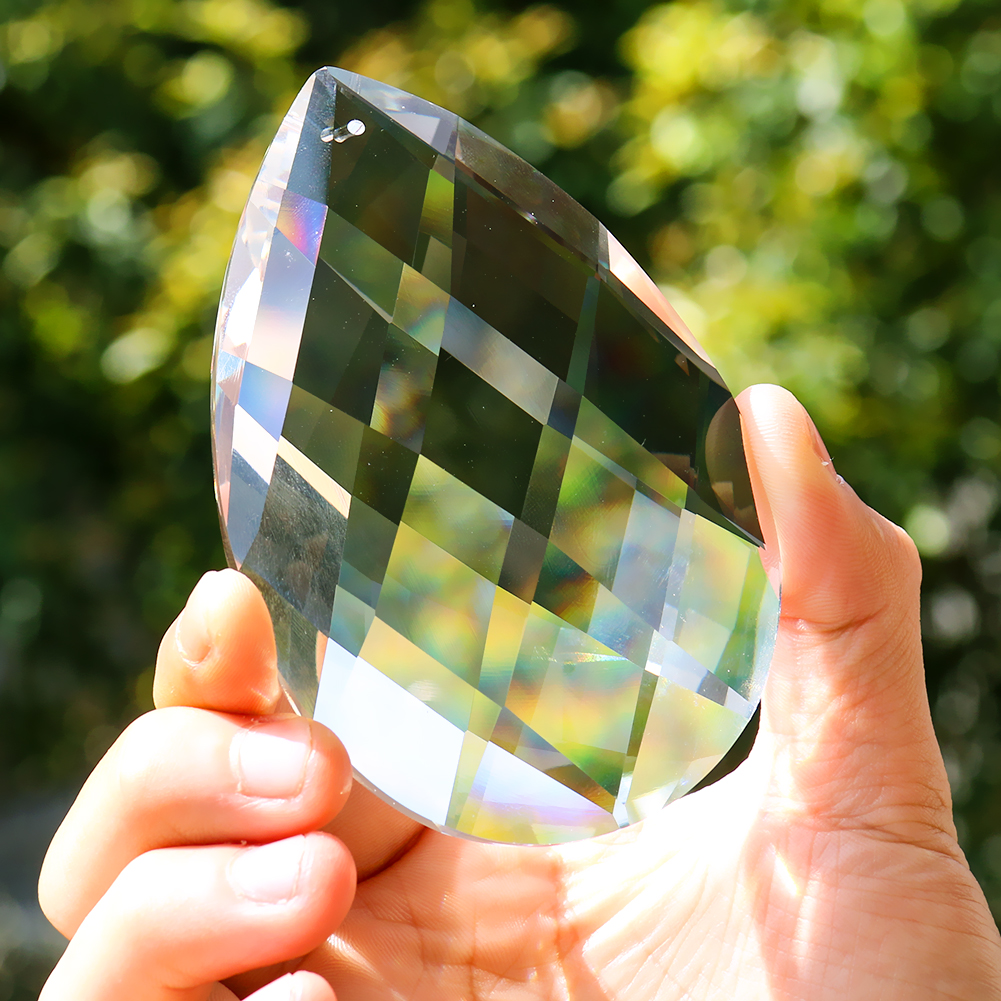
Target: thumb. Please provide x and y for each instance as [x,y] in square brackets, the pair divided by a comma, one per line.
[845,711]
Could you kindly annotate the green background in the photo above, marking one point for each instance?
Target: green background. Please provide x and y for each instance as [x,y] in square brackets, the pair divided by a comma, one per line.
[814,184]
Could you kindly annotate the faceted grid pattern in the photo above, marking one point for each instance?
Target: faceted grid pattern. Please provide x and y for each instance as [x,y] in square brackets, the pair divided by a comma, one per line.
[491,489]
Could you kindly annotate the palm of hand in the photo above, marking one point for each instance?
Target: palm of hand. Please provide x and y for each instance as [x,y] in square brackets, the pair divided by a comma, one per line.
[826,866]
[737,892]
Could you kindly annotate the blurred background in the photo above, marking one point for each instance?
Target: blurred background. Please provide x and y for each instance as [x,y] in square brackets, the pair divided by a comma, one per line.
[814,183]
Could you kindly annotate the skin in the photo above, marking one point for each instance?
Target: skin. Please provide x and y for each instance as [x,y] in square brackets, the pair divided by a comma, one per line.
[825,867]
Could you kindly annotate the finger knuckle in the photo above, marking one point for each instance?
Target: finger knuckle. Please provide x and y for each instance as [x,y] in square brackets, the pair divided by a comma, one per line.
[140,751]
[900,561]
[51,898]
[907,552]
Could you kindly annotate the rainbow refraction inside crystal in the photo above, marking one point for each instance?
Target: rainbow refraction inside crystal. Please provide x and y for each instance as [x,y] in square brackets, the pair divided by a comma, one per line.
[491,489]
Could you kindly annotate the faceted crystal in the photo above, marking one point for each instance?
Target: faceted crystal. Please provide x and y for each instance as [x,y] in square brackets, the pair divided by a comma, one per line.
[493,492]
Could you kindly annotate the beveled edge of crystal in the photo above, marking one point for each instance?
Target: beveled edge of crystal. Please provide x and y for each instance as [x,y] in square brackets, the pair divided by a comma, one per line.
[292,121]
[453,832]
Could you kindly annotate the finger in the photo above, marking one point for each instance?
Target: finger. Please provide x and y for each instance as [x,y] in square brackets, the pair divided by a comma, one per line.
[847,683]
[299,986]
[220,651]
[186,776]
[220,654]
[179,919]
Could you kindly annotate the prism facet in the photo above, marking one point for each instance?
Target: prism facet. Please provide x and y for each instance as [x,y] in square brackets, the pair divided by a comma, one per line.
[493,492]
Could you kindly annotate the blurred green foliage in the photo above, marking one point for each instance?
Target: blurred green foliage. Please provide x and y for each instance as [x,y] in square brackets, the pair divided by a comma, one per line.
[812,181]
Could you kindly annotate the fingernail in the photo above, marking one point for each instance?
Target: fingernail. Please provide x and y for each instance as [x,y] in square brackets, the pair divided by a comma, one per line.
[268,874]
[270,759]
[287,988]
[282,989]
[819,447]
[192,636]
[192,632]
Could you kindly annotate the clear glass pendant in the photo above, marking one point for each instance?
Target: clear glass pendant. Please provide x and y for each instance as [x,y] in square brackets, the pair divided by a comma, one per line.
[491,489]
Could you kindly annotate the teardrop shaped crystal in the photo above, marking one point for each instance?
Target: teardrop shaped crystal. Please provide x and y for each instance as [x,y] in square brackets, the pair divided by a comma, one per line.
[492,490]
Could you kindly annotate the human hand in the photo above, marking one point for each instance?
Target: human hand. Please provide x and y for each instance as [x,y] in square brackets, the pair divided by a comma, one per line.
[826,866]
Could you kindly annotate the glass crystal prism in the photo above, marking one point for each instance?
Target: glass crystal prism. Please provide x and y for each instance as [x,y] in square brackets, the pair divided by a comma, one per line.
[492,490]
